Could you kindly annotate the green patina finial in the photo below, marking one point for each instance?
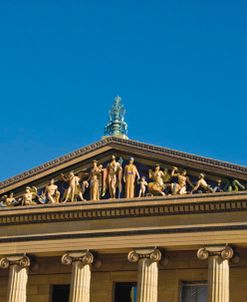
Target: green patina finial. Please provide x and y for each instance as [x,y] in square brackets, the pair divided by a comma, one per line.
[116,125]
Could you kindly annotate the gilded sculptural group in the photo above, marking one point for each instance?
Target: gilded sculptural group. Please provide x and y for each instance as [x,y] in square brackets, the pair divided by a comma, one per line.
[101,182]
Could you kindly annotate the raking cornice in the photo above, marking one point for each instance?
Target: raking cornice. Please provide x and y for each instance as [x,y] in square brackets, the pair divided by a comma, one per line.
[114,142]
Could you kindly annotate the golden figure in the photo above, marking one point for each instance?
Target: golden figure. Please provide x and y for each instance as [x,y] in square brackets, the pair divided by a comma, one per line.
[201,183]
[9,201]
[29,196]
[143,184]
[52,193]
[102,180]
[183,179]
[74,190]
[234,185]
[95,181]
[114,177]
[160,179]
[130,174]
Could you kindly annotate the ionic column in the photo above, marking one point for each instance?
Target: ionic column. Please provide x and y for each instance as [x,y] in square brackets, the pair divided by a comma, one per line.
[147,283]
[81,275]
[17,286]
[218,271]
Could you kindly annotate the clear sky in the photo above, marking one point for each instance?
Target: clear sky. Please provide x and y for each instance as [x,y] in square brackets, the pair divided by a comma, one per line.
[179,66]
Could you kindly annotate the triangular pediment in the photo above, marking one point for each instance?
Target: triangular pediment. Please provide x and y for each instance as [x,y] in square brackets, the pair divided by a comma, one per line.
[146,157]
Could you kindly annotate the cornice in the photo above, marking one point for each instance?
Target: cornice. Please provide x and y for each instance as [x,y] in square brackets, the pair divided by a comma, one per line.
[113,142]
[54,163]
[183,155]
[143,207]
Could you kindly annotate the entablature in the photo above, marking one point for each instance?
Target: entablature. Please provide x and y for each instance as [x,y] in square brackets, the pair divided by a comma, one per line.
[127,208]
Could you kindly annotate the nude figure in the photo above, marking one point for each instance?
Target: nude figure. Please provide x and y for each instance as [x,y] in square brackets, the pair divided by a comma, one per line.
[74,188]
[143,186]
[201,183]
[114,176]
[29,195]
[52,192]
[183,179]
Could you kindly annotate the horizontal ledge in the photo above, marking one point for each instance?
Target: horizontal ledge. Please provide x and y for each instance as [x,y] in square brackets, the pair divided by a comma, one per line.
[187,241]
[136,207]
[124,233]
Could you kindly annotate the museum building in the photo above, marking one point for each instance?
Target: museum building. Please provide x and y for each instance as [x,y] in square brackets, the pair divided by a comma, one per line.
[124,221]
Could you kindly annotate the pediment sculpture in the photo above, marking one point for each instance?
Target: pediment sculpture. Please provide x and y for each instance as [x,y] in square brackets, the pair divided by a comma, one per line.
[114,179]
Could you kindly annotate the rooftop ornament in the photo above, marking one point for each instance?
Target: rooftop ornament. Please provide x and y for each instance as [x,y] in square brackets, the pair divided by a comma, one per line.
[117,126]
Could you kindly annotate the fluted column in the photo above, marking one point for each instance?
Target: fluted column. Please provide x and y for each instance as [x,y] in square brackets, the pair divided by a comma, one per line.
[81,275]
[17,286]
[147,283]
[218,271]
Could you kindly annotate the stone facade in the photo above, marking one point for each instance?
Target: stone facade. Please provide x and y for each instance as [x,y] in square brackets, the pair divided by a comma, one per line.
[158,242]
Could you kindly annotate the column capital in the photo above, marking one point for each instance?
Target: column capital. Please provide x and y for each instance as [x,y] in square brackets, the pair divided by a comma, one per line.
[20,260]
[152,254]
[85,257]
[225,252]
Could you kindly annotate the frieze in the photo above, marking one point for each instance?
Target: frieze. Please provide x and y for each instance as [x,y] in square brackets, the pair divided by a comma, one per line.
[118,179]
[111,141]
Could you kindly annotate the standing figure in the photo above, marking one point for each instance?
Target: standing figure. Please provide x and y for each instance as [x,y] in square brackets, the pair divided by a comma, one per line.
[130,174]
[120,175]
[114,176]
[183,179]
[29,196]
[52,192]
[95,180]
[74,188]
[143,184]
[201,183]
[159,179]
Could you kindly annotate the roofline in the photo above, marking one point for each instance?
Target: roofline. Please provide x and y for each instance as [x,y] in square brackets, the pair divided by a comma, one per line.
[115,140]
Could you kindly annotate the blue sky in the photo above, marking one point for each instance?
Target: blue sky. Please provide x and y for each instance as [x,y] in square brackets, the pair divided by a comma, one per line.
[179,66]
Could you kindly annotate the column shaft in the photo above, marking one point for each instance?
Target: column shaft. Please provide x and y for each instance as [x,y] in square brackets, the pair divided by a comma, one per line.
[80,282]
[147,283]
[18,275]
[218,271]
[17,284]
[218,279]
[80,276]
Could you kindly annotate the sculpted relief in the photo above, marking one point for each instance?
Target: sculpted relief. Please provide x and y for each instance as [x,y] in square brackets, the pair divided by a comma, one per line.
[118,180]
